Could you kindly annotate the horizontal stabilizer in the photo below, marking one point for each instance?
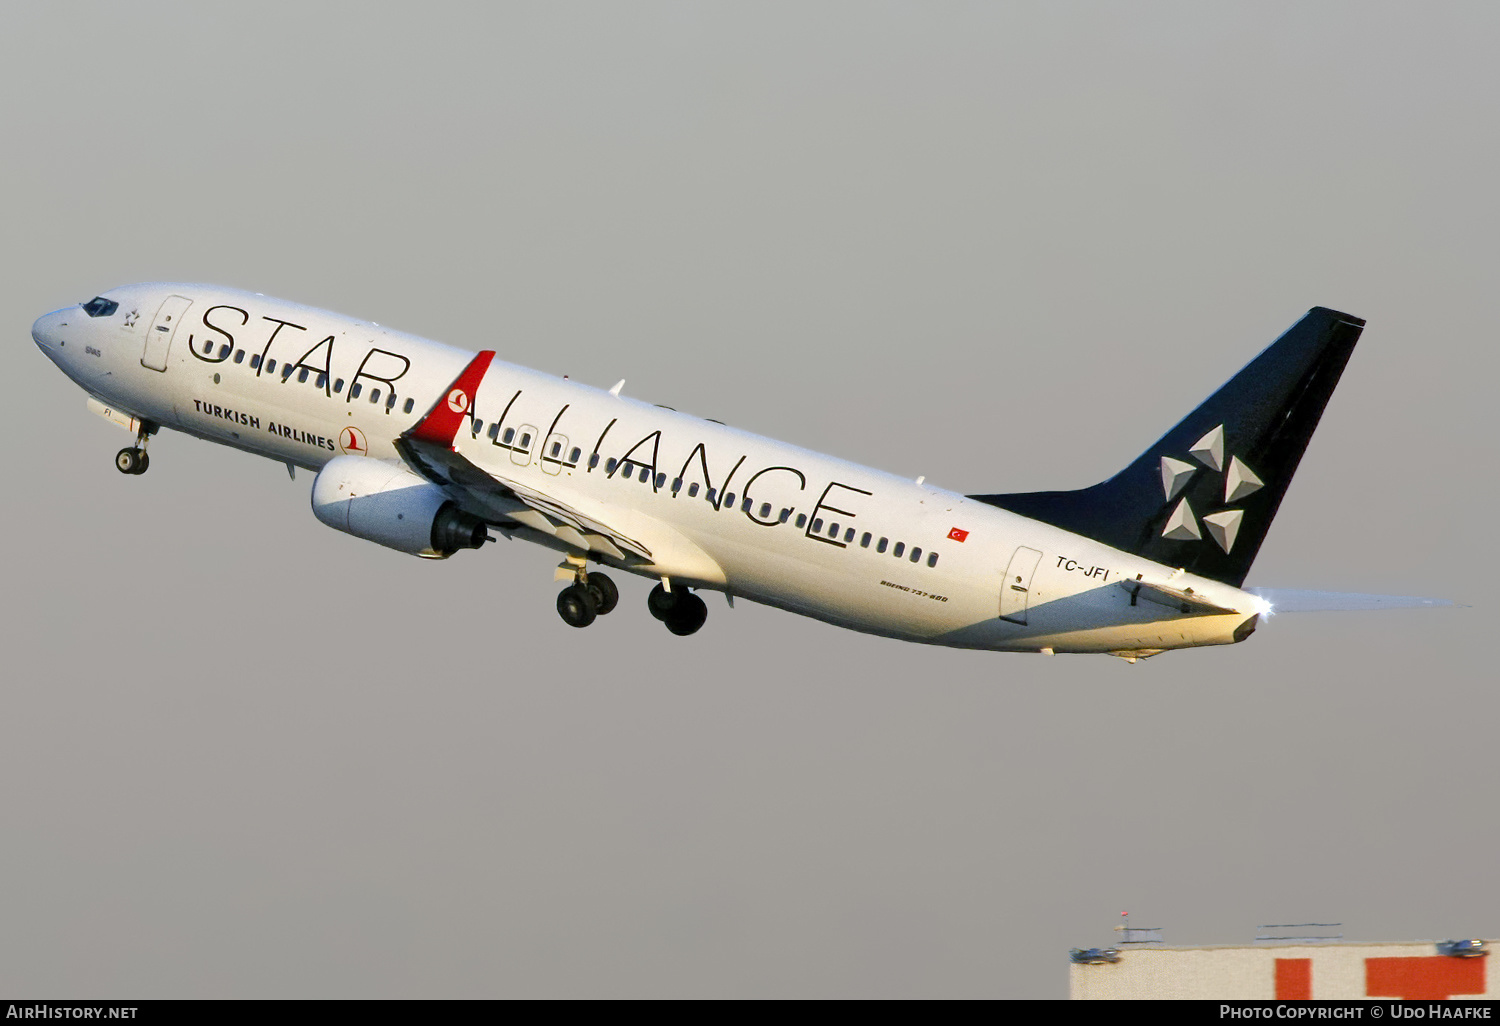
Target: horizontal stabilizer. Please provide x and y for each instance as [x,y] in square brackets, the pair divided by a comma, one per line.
[1181,599]
[1291,600]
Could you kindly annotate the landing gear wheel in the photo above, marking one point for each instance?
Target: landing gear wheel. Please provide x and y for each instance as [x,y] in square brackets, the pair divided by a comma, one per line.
[661,602]
[687,614]
[606,595]
[575,604]
[132,461]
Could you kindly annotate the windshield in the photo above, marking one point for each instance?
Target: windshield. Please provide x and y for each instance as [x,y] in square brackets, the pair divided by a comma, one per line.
[100,307]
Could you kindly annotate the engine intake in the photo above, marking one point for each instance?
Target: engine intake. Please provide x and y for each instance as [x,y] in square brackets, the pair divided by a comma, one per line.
[389,505]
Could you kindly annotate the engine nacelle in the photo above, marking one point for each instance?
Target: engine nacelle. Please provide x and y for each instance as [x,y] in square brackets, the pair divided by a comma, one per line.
[389,505]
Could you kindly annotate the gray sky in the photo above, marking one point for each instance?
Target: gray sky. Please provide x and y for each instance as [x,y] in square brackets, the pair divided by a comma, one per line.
[244,755]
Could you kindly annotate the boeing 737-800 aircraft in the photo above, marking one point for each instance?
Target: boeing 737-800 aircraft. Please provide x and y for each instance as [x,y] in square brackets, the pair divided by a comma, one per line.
[427,449]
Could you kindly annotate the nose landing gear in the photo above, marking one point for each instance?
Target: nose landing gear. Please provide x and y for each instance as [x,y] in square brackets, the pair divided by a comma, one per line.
[134,460]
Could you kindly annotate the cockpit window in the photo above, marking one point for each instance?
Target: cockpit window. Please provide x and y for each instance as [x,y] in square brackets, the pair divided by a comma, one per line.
[100,307]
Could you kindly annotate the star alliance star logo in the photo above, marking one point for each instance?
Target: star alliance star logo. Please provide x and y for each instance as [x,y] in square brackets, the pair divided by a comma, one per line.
[1239,481]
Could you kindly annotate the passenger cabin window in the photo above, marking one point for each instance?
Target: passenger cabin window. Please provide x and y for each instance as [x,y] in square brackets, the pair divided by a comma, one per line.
[494,430]
[729,500]
[693,490]
[609,466]
[864,540]
[509,434]
[573,456]
[390,402]
[100,307]
[880,546]
[239,356]
[526,440]
[900,548]
[932,559]
[746,506]
[916,555]
[411,402]
[374,395]
[556,448]
[355,389]
[270,366]
[302,376]
[255,361]
[224,351]
[322,380]
[338,384]
[848,535]
[833,530]
[818,526]
[801,521]
[593,460]
[645,474]
[765,510]
[661,480]
[786,515]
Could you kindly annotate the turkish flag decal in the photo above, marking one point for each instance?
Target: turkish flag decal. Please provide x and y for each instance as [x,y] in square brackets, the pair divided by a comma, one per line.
[958,534]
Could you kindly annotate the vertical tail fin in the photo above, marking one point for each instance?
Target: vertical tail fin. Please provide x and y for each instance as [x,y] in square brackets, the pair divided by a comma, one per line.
[1204,495]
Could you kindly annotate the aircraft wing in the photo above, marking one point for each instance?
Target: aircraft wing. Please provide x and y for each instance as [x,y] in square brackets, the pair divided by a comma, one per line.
[428,449]
[540,511]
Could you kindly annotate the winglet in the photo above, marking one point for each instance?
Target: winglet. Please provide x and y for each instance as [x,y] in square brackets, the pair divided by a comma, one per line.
[442,422]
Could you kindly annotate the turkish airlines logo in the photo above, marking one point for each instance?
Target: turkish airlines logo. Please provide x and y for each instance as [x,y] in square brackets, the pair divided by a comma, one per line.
[352,442]
[458,400]
[958,534]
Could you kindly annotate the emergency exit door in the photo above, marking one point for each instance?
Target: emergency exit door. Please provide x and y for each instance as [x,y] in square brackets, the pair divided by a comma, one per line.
[1015,589]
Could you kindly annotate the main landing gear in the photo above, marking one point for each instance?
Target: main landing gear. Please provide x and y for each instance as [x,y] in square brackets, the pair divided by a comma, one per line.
[592,595]
[682,611]
[134,460]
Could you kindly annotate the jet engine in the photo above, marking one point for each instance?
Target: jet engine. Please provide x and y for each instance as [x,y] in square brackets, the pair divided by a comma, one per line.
[389,505]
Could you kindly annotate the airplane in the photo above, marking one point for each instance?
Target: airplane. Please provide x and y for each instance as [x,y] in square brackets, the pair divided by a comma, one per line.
[427,449]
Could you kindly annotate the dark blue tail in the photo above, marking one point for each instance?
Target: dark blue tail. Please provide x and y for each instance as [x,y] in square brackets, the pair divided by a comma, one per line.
[1203,496]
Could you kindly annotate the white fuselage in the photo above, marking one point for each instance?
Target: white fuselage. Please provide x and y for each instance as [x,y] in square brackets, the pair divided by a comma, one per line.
[820,536]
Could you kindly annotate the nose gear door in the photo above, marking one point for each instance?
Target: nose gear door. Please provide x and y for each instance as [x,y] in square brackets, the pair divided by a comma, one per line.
[1015,589]
[159,334]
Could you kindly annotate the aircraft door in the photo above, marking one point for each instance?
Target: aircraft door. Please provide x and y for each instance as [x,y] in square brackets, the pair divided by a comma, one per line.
[1015,589]
[159,335]
[520,452]
[554,452]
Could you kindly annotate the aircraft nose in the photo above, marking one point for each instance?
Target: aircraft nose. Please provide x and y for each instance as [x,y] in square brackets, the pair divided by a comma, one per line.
[44,332]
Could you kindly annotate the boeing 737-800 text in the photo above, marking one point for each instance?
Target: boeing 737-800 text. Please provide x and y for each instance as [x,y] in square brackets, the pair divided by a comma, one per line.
[427,449]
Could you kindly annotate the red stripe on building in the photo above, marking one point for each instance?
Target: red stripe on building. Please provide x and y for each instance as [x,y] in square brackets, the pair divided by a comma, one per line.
[1429,978]
[1294,979]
